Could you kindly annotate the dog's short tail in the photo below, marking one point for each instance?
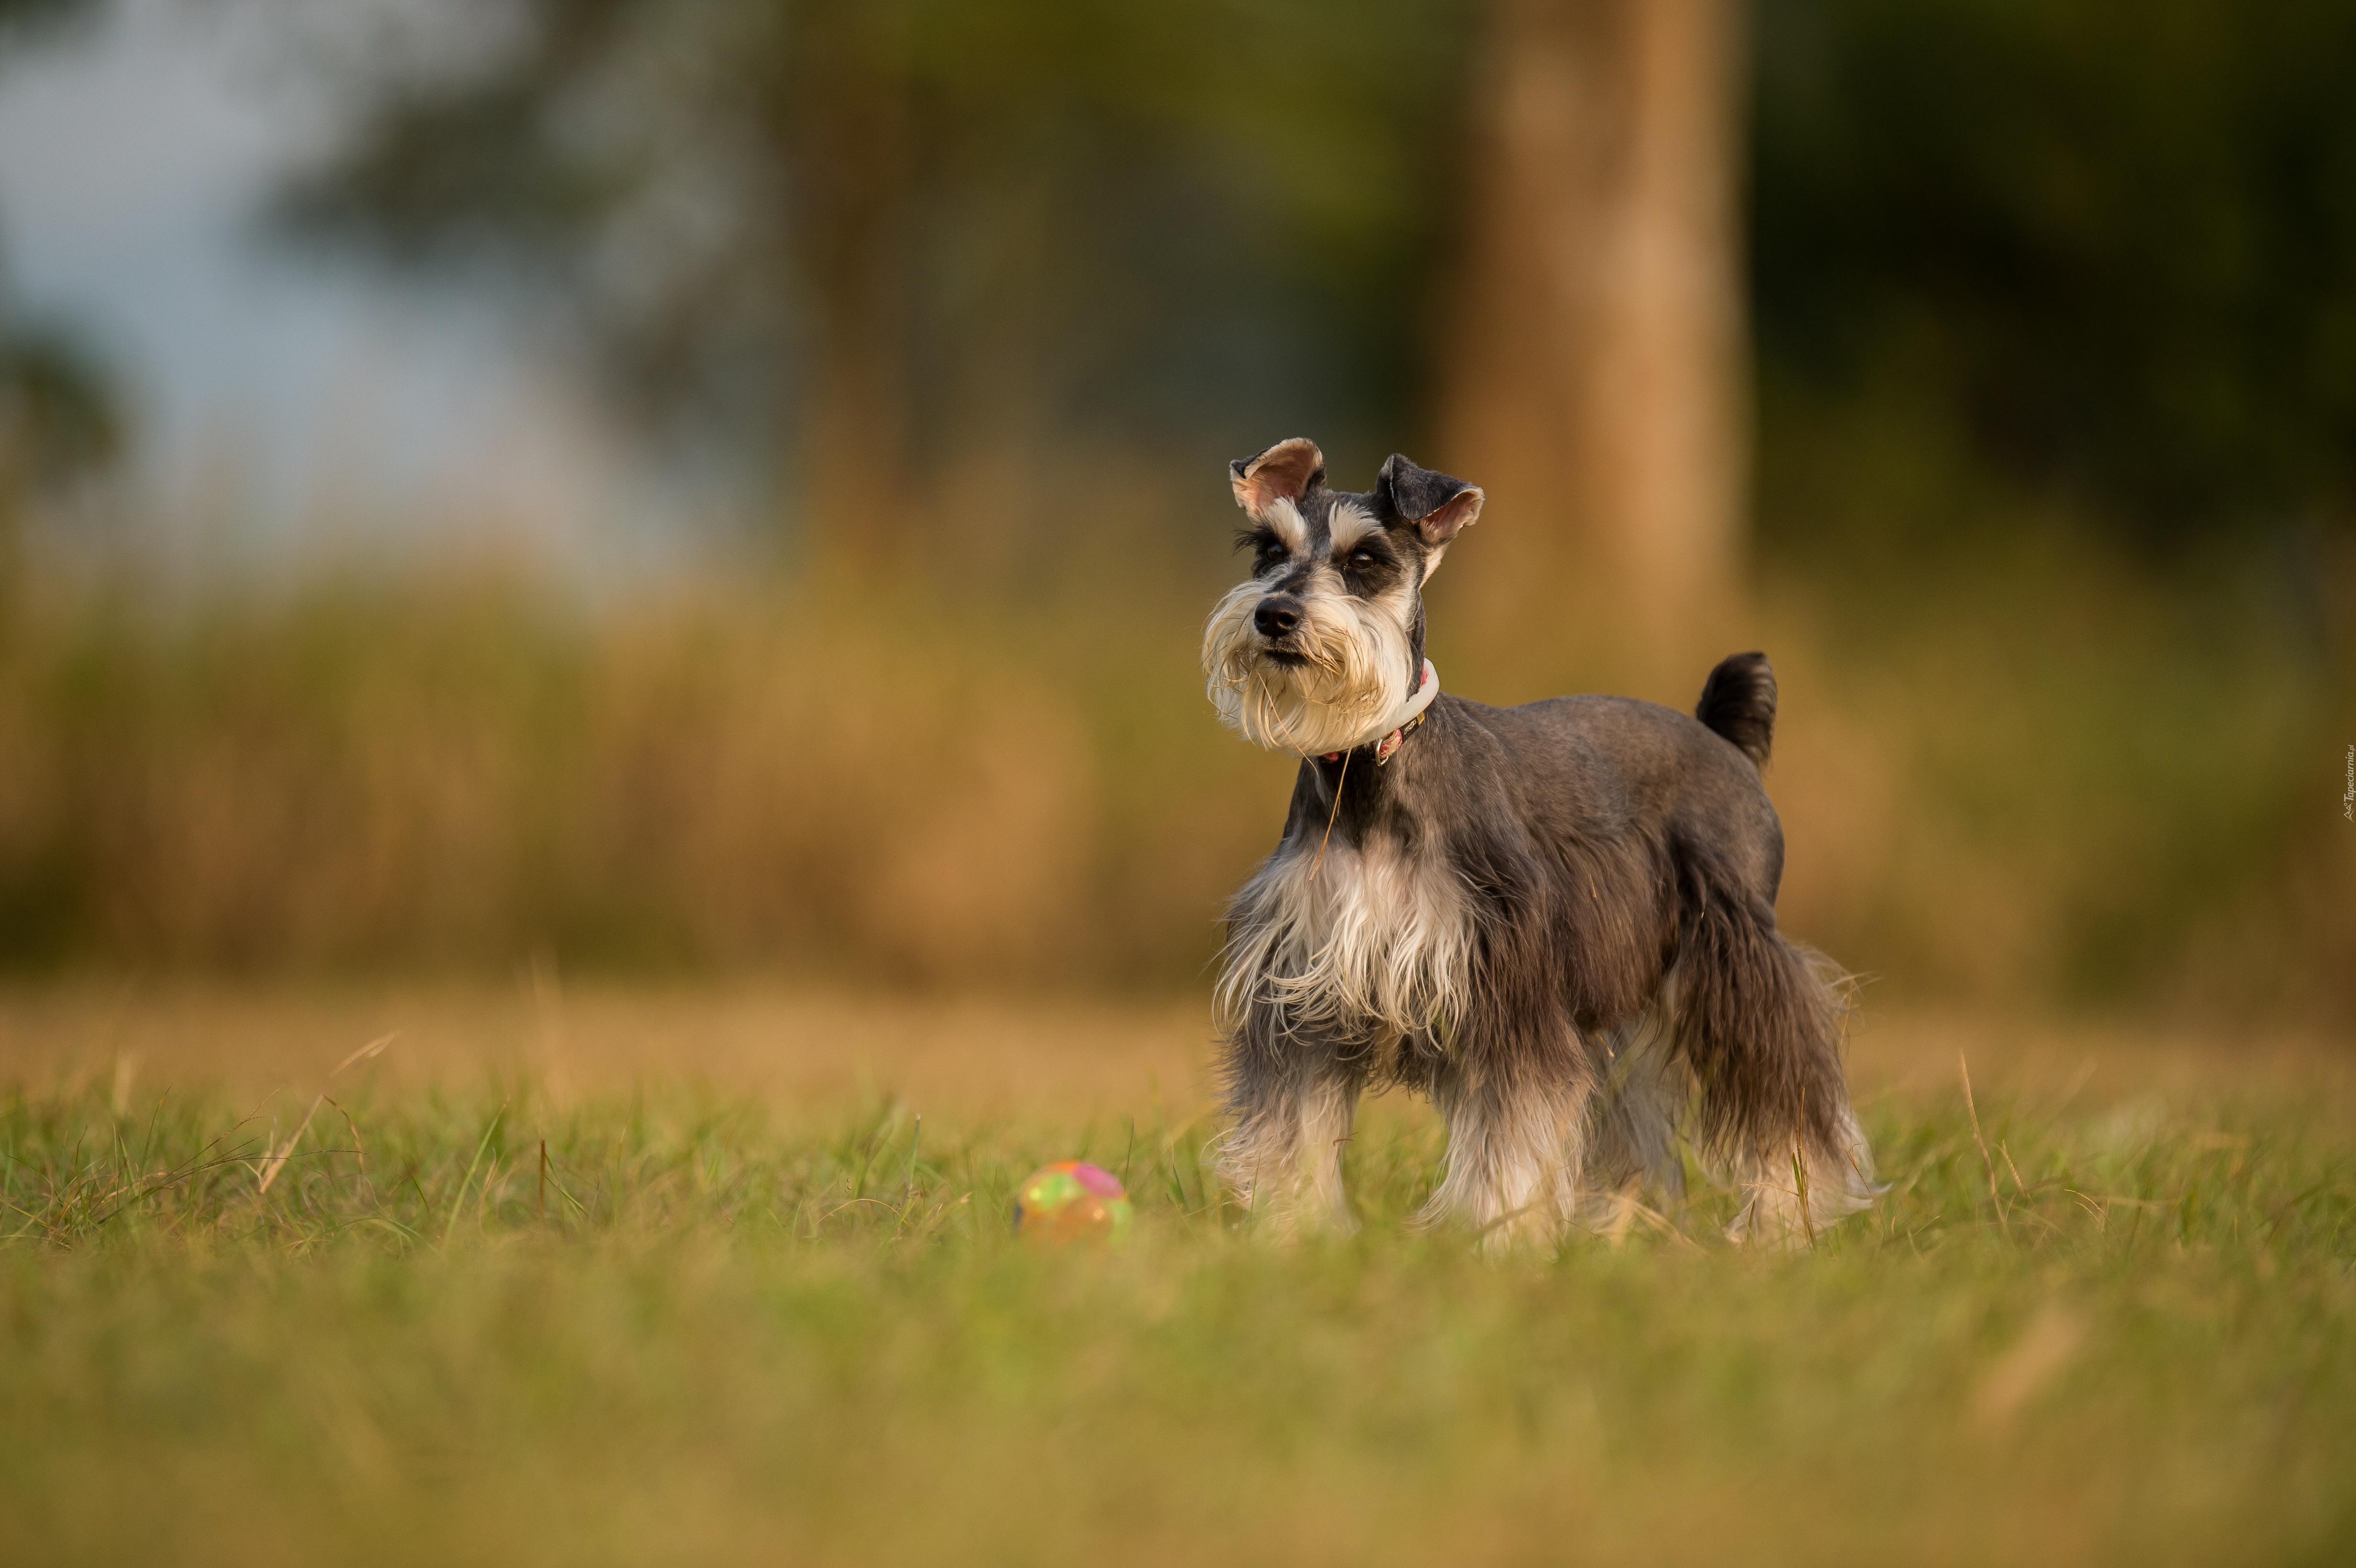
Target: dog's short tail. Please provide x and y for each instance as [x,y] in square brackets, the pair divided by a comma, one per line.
[1738,700]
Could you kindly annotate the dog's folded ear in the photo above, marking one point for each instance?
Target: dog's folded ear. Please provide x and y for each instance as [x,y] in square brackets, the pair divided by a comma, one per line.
[1285,472]
[1438,504]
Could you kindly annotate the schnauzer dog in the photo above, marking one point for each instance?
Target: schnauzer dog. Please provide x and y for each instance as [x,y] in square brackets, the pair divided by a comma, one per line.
[1556,920]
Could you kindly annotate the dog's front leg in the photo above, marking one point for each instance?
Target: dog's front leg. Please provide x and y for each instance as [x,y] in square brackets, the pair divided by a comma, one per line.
[1515,1149]
[1290,1105]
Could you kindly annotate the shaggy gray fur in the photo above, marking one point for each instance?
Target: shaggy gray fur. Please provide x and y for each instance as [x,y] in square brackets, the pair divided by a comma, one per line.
[1557,919]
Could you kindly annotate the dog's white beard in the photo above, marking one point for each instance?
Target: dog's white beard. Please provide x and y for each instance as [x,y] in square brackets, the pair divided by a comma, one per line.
[1353,678]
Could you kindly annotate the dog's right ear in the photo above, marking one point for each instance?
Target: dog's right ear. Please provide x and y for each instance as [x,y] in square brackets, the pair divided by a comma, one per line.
[1285,472]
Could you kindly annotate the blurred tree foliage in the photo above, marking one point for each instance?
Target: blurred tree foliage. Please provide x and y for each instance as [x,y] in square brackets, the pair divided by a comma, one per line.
[896,243]
[21,20]
[2109,244]
[59,417]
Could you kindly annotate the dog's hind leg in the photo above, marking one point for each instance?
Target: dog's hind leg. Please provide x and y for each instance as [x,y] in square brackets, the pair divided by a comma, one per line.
[1290,1110]
[1759,1026]
[1641,1090]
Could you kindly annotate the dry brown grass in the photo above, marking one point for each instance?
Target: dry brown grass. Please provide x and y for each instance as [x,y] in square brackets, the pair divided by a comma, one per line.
[825,1052]
[2021,795]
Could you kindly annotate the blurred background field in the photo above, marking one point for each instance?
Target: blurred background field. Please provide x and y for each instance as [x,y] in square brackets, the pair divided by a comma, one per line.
[2060,789]
[1994,369]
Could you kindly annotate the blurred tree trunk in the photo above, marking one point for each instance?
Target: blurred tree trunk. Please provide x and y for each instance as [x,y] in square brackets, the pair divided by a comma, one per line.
[1592,377]
[844,125]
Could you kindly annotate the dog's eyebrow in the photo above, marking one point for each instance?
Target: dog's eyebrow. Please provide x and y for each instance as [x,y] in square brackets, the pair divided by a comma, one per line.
[1349,525]
[1283,518]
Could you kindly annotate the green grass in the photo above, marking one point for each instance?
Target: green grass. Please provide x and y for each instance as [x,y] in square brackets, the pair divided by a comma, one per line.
[2128,1334]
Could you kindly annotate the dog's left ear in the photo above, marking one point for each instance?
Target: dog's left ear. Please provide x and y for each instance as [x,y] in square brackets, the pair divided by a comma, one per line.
[1438,505]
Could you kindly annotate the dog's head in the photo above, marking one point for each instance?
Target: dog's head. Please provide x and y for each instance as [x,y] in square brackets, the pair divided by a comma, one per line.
[1324,641]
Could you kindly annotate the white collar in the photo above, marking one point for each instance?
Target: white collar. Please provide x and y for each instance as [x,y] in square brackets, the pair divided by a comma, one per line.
[1387,737]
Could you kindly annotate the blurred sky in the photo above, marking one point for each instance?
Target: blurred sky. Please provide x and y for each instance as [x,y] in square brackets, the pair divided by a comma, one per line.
[270,394]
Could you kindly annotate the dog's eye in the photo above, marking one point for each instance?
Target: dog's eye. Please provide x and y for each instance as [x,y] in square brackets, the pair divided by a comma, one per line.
[1270,553]
[1363,557]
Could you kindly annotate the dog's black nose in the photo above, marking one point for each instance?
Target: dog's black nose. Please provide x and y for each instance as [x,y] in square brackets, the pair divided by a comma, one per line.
[1278,615]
